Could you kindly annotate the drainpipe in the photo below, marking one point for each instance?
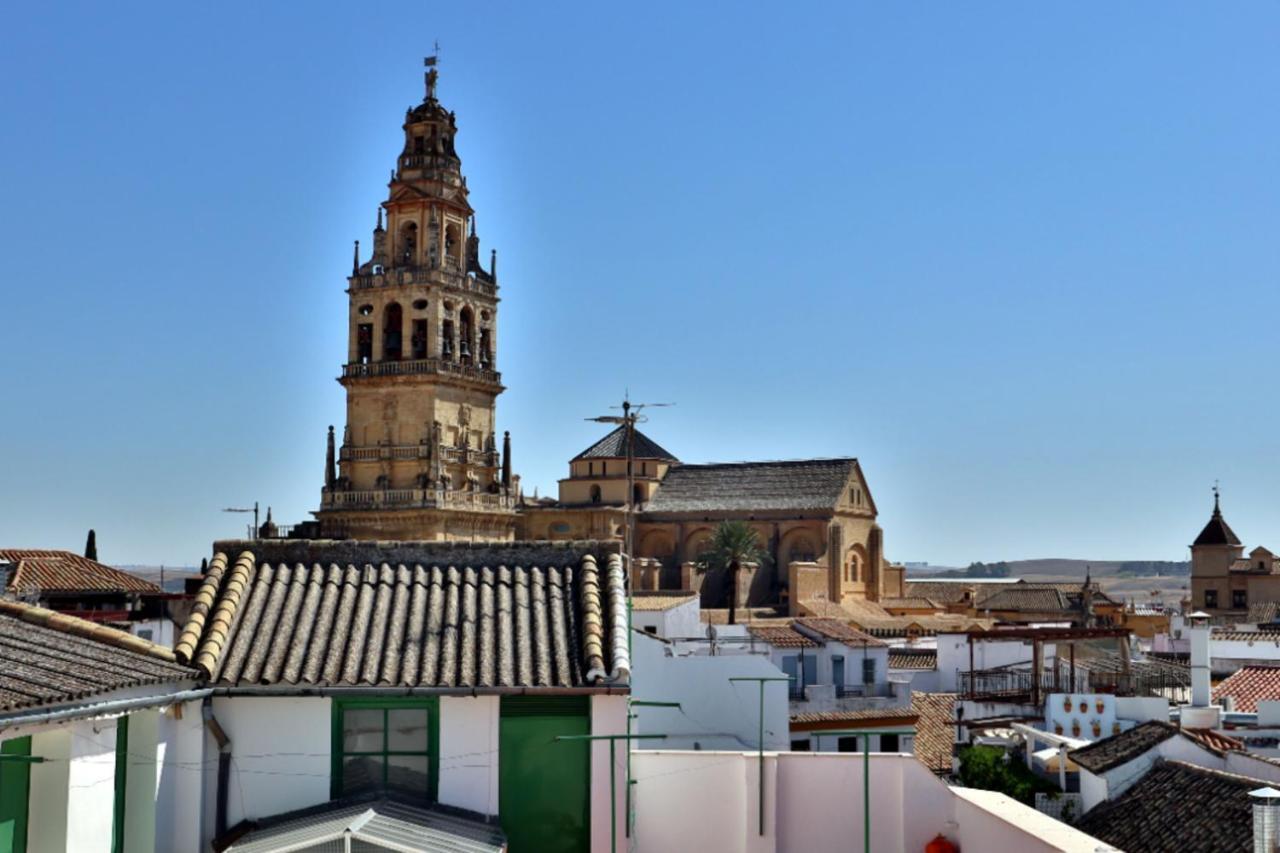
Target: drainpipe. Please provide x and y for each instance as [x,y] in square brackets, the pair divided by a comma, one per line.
[224,765]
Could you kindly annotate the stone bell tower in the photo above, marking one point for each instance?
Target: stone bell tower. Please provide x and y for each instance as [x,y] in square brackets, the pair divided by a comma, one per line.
[419,457]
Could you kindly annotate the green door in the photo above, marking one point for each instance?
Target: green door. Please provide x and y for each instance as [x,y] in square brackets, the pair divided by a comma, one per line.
[15,783]
[544,785]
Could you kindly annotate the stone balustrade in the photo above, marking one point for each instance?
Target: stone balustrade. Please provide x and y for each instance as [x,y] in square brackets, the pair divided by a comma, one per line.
[413,367]
[415,498]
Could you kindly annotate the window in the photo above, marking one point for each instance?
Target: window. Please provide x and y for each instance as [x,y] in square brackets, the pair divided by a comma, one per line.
[419,340]
[145,633]
[889,743]
[837,673]
[850,743]
[1239,599]
[868,670]
[384,745]
[392,323]
[364,343]
[800,745]
[595,494]
[1210,598]
[446,340]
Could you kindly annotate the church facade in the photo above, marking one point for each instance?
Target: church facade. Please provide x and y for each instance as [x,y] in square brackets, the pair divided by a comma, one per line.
[419,457]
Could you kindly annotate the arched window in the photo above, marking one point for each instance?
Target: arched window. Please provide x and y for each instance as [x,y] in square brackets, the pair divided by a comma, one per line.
[409,243]
[486,351]
[465,323]
[595,494]
[446,340]
[392,332]
[452,245]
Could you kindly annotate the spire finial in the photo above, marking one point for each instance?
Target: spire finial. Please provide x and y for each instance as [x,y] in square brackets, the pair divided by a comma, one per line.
[432,75]
[355,260]
[379,228]
[1217,493]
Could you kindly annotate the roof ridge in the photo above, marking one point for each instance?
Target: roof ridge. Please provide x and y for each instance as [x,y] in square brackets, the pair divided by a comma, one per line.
[1221,774]
[800,461]
[75,626]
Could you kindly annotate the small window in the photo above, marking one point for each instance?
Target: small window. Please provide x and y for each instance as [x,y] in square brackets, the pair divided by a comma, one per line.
[1210,598]
[384,747]
[869,671]
[1239,599]
[889,743]
[595,494]
[145,633]
[365,310]
[850,743]
[800,745]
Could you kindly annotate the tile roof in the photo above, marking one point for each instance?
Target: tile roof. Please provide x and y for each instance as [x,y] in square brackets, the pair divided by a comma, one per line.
[875,620]
[1178,806]
[614,446]
[1249,637]
[915,602]
[411,614]
[1262,612]
[913,659]
[1021,599]
[52,657]
[42,570]
[1215,741]
[810,720]
[1217,531]
[371,824]
[947,593]
[935,729]
[645,601]
[1102,755]
[836,629]
[781,637]
[815,484]
[1249,684]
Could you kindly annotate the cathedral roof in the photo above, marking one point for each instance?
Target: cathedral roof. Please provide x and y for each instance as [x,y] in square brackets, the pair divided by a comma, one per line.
[1217,531]
[744,486]
[614,446]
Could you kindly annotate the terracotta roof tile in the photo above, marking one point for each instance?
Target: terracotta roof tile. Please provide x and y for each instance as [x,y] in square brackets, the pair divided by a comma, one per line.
[806,720]
[816,484]
[52,657]
[935,729]
[836,629]
[1178,806]
[1102,755]
[46,571]
[781,636]
[913,659]
[1248,685]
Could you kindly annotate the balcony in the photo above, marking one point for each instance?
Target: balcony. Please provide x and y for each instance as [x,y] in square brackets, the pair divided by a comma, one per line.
[421,367]
[449,277]
[416,499]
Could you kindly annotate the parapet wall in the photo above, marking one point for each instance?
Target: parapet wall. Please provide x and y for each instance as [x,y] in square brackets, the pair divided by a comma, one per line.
[375,553]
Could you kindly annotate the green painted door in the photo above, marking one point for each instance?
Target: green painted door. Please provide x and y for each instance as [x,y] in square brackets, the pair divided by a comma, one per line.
[15,784]
[544,785]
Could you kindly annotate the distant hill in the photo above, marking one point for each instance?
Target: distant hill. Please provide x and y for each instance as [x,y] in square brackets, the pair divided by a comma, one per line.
[1060,568]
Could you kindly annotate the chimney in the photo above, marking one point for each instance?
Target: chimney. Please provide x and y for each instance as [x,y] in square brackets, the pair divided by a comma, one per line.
[1200,714]
[1266,819]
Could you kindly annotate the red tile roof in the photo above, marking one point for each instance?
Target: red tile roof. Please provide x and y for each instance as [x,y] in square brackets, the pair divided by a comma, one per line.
[841,632]
[935,729]
[781,636]
[41,570]
[1249,684]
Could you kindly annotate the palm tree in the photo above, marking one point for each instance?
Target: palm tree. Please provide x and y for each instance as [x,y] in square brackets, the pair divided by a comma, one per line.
[732,544]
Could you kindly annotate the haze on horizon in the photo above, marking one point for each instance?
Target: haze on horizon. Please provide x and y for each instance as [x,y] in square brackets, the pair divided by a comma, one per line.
[1021,261]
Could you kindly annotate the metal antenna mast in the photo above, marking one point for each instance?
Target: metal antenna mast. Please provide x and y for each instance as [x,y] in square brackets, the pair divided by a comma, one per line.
[631,415]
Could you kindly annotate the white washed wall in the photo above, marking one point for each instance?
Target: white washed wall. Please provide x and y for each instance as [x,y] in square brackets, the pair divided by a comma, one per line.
[179,780]
[707,801]
[469,752]
[47,814]
[280,756]
[91,786]
[714,712]
[608,717]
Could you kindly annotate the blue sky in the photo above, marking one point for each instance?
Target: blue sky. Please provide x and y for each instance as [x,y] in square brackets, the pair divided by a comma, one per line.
[1022,261]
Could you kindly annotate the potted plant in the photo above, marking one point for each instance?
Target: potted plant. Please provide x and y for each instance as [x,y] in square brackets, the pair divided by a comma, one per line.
[1066,704]
[1057,728]
[1115,728]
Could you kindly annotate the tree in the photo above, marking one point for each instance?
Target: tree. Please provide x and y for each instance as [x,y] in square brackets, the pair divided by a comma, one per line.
[732,544]
[993,769]
[91,545]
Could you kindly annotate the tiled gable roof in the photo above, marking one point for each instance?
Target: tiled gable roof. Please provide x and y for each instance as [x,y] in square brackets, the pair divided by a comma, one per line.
[1102,755]
[52,657]
[413,615]
[910,602]
[37,570]
[835,629]
[1178,806]
[1248,685]
[923,659]
[614,446]
[1262,612]
[813,484]
[935,729]
[1033,600]
[781,637]
[649,602]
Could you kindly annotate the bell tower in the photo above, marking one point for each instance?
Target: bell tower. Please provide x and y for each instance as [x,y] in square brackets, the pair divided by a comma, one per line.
[419,456]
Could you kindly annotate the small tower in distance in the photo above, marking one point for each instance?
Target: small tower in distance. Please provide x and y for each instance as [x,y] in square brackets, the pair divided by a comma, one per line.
[1213,553]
